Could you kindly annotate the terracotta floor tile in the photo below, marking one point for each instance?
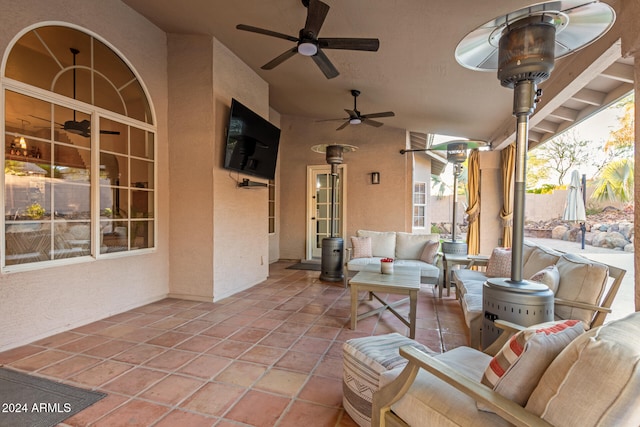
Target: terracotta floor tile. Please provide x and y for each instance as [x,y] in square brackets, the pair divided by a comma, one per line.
[322,390]
[297,361]
[40,360]
[221,331]
[167,323]
[169,339]
[301,412]
[277,339]
[172,389]
[186,419]
[213,398]
[59,339]
[142,334]
[283,382]
[258,409]
[205,366]
[198,343]
[230,349]
[70,366]
[193,326]
[109,348]
[84,343]
[95,411]
[171,360]
[133,413]
[250,335]
[241,373]
[134,381]
[262,354]
[101,373]
[330,367]
[18,353]
[311,345]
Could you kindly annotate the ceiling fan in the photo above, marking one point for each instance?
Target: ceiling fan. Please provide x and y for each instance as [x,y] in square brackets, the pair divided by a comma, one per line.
[308,43]
[356,117]
[82,128]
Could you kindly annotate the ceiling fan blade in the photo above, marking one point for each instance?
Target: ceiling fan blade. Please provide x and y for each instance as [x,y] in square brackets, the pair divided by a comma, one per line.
[344,125]
[333,120]
[280,59]
[325,65]
[371,122]
[266,32]
[351,113]
[370,45]
[316,14]
[379,115]
[46,120]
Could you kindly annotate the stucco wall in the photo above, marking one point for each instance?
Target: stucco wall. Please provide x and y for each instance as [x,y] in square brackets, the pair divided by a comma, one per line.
[41,302]
[219,232]
[386,206]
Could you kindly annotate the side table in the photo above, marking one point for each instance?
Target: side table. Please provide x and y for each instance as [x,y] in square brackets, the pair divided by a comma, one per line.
[451,260]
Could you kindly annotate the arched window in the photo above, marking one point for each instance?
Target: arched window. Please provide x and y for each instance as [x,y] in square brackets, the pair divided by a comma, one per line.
[79,150]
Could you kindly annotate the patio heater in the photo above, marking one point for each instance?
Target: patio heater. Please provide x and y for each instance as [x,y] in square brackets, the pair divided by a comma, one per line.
[331,263]
[522,46]
[457,151]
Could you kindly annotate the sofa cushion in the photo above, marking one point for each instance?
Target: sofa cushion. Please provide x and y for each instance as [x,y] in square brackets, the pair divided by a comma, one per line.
[426,269]
[581,280]
[539,258]
[383,243]
[499,264]
[432,402]
[410,246]
[361,247]
[549,276]
[517,367]
[430,251]
[595,380]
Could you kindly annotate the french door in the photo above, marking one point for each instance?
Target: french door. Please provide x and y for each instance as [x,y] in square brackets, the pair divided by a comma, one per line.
[319,207]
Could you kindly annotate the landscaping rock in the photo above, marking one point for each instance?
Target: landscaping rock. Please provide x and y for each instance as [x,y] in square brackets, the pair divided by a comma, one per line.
[626,229]
[629,248]
[559,232]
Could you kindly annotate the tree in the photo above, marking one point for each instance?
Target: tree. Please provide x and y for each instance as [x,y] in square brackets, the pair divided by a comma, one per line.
[623,138]
[564,153]
[537,171]
[615,183]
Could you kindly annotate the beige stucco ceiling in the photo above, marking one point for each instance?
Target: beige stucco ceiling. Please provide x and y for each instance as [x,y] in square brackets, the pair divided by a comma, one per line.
[414,73]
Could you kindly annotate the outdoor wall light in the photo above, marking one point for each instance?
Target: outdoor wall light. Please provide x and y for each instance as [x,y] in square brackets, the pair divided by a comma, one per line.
[375,177]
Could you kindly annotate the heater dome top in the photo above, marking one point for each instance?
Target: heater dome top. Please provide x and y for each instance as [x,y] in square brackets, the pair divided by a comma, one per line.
[578,23]
[322,148]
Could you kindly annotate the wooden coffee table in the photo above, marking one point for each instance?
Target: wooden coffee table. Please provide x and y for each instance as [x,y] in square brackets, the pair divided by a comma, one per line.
[403,280]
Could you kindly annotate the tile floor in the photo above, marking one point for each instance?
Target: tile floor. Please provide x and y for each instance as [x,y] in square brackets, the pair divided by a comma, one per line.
[269,356]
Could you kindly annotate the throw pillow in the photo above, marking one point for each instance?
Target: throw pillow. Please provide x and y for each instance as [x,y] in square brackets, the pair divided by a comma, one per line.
[361,247]
[517,368]
[499,264]
[549,276]
[430,251]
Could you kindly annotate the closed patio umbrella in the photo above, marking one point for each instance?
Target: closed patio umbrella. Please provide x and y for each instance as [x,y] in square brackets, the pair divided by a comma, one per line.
[574,210]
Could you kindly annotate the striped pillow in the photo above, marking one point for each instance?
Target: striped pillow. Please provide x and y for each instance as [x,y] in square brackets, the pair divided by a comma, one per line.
[515,371]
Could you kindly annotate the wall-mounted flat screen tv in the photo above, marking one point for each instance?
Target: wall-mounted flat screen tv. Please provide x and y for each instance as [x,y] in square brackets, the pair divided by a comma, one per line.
[252,143]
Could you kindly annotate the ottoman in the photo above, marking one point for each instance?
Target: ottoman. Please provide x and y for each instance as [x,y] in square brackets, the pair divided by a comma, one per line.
[364,359]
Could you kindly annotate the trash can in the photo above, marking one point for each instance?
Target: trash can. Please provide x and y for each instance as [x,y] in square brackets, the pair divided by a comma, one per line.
[331,264]
[525,303]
